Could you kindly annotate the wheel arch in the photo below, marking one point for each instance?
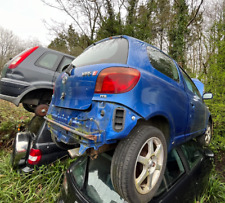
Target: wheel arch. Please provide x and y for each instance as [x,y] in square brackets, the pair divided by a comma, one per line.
[34,95]
[210,119]
[160,122]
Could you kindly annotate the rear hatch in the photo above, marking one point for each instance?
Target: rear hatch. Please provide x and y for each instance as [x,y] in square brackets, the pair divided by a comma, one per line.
[75,89]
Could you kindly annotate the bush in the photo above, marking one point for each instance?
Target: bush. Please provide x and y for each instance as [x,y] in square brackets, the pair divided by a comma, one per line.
[217,109]
[215,191]
[12,120]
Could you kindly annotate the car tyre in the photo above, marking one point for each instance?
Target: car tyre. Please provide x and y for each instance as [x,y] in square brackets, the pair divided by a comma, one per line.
[138,164]
[205,139]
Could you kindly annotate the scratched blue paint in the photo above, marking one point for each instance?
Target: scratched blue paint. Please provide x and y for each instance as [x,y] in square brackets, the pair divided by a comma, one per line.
[154,95]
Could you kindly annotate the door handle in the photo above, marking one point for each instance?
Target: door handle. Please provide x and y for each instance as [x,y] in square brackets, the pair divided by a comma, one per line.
[192,105]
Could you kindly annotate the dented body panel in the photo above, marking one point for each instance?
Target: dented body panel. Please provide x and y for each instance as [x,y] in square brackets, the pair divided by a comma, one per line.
[94,127]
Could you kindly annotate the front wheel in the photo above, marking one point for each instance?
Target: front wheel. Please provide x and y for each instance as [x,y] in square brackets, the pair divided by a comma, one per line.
[139,163]
[206,138]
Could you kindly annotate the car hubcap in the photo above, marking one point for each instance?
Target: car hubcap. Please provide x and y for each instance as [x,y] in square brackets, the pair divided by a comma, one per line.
[208,135]
[148,165]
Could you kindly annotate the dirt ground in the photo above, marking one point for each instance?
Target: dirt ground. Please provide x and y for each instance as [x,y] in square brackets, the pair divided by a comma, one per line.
[220,164]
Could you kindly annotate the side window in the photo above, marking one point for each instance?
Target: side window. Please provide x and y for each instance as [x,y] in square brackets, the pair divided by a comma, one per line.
[192,154]
[65,61]
[162,63]
[174,169]
[190,85]
[48,60]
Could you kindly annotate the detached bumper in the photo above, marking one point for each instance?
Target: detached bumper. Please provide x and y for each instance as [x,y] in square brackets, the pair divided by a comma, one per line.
[104,123]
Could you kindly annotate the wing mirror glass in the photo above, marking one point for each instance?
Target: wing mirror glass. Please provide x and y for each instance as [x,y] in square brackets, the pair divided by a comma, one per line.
[207,96]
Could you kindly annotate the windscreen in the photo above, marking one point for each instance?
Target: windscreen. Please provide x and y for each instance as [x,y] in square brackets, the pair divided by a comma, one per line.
[99,186]
[109,51]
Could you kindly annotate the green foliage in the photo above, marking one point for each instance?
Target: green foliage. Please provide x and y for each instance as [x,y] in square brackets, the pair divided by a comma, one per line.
[215,191]
[178,32]
[70,42]
[41,185]
[12,119]
[215,82]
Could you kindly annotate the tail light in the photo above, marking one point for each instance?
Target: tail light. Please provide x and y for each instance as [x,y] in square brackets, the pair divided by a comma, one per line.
[34,156]
[21,57]
[115,80]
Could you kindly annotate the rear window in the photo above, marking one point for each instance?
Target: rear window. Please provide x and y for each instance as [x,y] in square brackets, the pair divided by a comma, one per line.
[98,187]
[162,63]
[109,51]
[193,154]
[48,60]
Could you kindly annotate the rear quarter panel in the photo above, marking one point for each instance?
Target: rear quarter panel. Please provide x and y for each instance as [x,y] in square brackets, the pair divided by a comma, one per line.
[155,94]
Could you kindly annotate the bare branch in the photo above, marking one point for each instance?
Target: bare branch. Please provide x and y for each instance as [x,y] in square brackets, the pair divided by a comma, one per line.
[196,13]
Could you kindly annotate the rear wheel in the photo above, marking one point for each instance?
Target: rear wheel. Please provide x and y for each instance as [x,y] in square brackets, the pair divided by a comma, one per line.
[139,163]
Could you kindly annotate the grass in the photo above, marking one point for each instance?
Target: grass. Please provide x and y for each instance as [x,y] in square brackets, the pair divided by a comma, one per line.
[44,185]
[41,185]
[12,119]
[215,192]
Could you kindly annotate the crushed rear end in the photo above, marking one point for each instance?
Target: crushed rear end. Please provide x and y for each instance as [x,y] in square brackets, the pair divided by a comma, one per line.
[82,109]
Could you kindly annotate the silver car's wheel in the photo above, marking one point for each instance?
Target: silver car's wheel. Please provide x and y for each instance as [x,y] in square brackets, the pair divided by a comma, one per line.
[208,135]
[148,165]
[206,138]
[139,163]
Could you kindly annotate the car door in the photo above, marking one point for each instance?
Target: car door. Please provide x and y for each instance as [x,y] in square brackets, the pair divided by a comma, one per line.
[196,110]
[199,166]
[176,184]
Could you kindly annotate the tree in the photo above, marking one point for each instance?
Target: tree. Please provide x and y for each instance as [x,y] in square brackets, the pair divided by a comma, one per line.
[178,31]
[11,45]
[69,42]
[8,46]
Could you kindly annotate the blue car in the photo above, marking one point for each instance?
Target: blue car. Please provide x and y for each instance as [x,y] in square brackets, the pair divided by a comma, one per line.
[125,94]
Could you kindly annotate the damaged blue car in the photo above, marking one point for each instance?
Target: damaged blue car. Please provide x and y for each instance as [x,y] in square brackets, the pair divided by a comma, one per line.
[125,94]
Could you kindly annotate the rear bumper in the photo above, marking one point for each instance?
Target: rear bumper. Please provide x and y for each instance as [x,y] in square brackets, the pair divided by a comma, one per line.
[12,90]
[14,100]
[92,128]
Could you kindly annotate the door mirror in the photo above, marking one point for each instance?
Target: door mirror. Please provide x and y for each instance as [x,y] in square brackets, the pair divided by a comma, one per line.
[207,96]
[209,153]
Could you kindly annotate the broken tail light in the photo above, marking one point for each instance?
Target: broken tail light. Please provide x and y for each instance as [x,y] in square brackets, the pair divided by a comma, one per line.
[115,80]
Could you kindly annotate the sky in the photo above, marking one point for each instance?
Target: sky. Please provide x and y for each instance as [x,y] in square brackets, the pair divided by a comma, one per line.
[25,19]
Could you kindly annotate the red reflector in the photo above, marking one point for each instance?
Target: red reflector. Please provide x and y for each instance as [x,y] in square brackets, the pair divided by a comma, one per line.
[21,57]
[115,80]
[34,156]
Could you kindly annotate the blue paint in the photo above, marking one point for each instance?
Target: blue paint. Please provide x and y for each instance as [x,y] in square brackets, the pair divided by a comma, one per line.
[154,95]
